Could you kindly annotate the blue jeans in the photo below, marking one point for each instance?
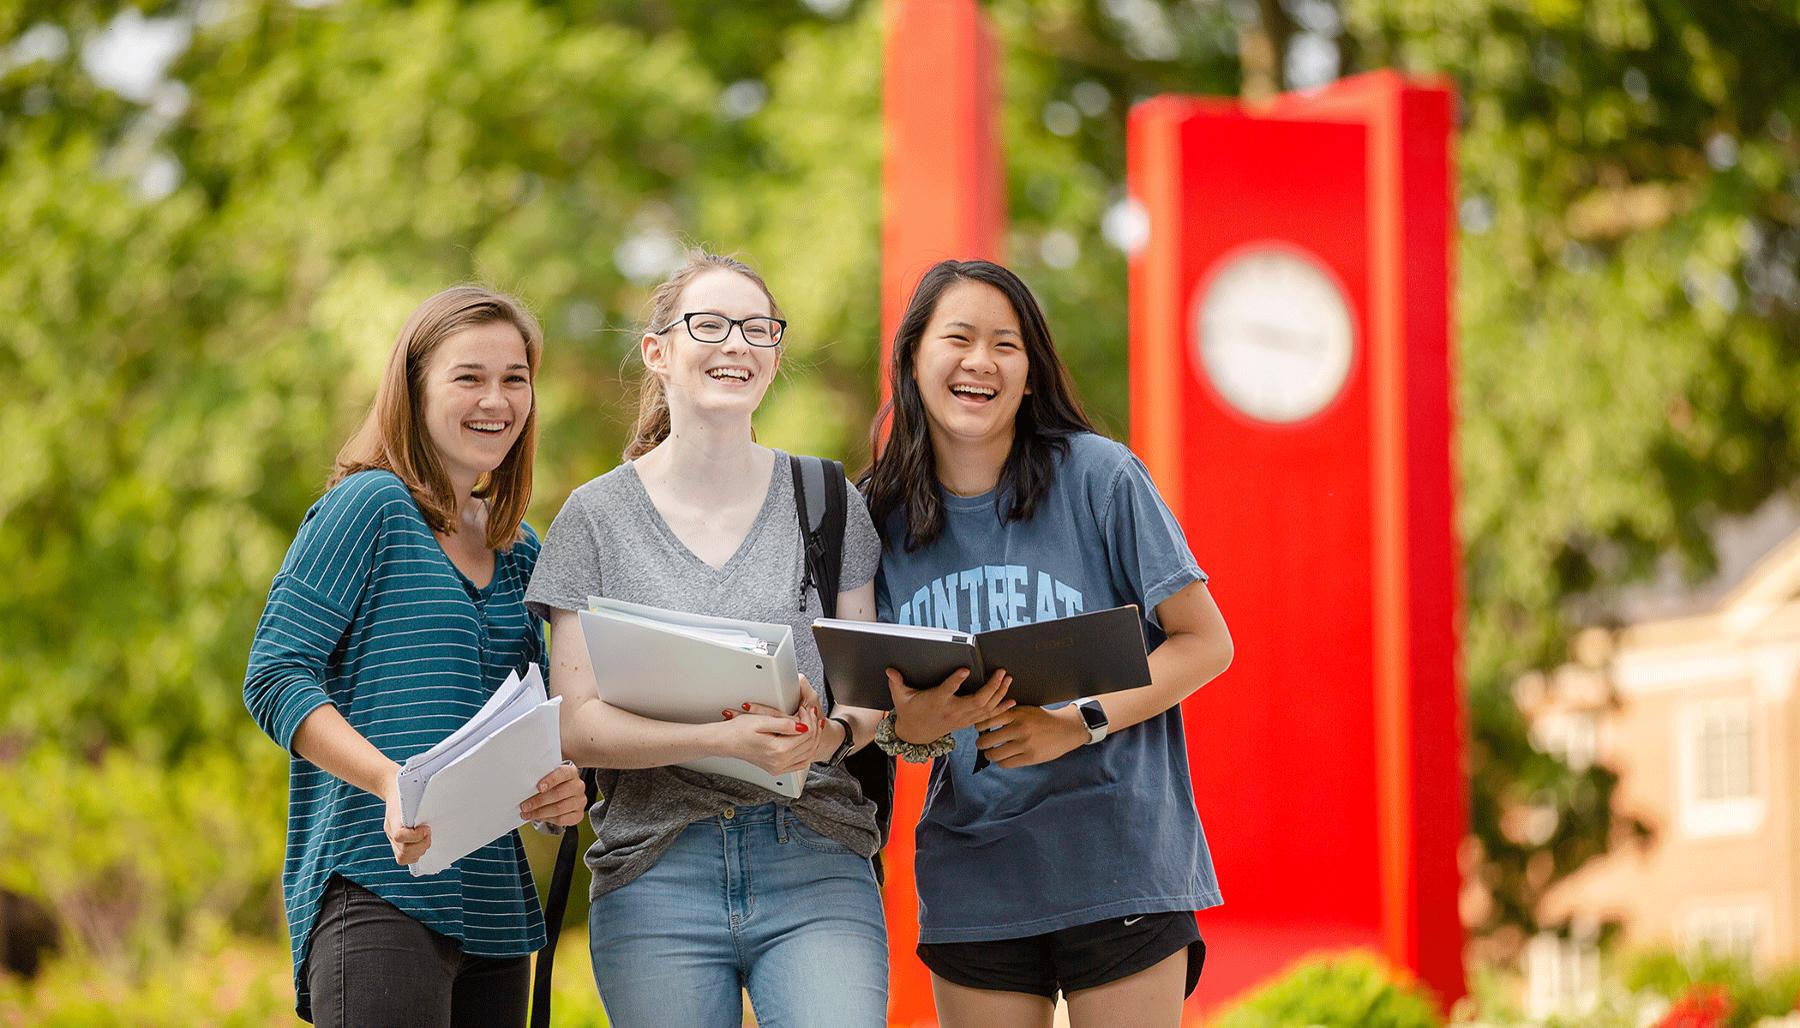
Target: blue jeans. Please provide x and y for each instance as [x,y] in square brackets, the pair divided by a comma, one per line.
[748,900]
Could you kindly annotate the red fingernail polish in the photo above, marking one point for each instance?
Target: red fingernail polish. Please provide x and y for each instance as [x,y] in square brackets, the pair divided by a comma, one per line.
[728,714]
[746,707]
[800,726]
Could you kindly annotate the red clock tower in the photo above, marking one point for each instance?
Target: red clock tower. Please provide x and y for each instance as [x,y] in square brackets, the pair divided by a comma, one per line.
[1290,367]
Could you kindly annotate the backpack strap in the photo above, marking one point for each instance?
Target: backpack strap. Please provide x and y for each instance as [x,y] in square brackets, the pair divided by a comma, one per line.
[555,903]
[819,498]
[821,510]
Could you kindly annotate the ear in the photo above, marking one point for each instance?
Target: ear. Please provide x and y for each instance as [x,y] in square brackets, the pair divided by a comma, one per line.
[655,351]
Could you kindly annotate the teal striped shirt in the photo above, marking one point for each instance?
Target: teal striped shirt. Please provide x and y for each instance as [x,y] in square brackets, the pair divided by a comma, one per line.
[368,613]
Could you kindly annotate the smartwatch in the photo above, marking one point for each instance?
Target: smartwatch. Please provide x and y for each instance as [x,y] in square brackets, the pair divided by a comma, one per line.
[1093,717]
[844,748]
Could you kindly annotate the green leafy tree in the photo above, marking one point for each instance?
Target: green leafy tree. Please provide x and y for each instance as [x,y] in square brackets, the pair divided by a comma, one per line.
[1628,314]
[204,287]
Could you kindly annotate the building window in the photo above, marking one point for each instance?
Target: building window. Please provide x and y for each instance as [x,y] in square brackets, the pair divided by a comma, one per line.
[1722,744]
[1716,769]
[1562,975]
[1724,931]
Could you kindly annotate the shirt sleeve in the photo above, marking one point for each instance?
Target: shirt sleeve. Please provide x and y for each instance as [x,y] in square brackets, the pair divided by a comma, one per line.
[312,602]
[862,546]
[1147,550]
[568,564]
[527,550]
[884,607]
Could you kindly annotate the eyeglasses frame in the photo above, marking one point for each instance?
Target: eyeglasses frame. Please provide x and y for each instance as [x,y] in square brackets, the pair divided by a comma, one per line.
[730,323]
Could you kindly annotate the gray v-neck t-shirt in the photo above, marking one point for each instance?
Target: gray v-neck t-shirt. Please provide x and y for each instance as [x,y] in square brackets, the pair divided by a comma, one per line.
[609,540]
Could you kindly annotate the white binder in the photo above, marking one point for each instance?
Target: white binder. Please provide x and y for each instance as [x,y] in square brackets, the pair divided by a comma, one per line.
[669,665]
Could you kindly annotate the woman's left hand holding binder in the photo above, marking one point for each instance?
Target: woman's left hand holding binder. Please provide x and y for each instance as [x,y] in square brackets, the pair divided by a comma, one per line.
[803,722]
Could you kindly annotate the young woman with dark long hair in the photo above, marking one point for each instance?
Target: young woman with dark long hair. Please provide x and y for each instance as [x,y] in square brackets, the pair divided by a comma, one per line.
[1073,861]
[398,611]
[706,886]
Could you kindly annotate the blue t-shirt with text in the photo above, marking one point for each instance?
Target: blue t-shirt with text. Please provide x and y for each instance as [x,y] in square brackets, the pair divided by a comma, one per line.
[1104,831]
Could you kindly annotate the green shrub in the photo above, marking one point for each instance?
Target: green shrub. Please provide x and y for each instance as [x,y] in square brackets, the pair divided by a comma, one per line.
[222,980]
[225,980]
[1349,990]
[1753,995]
[165,883]
[133,857]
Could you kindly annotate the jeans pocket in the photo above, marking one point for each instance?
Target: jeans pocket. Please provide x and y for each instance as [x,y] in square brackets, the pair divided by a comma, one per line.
[818,842]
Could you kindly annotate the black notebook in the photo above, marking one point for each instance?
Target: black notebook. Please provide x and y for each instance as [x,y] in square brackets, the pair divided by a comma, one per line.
[1051,661]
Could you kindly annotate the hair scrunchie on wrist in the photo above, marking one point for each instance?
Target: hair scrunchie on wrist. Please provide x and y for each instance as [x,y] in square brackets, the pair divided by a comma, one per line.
[911,752]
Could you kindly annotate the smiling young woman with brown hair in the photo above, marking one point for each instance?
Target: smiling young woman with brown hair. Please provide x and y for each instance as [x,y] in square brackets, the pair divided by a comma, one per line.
[397,612]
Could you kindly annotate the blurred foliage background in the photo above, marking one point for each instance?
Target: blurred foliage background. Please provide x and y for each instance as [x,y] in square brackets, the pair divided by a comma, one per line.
[215,214]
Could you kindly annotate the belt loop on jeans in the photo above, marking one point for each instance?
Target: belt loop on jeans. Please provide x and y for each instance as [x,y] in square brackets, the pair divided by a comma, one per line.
[783,813]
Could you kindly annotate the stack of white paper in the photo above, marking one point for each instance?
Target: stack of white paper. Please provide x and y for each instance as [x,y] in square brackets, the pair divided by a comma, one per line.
[670,665]
[468,788]
[733,638]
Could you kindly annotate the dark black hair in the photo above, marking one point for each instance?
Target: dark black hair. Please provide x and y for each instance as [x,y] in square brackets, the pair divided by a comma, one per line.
[904,475]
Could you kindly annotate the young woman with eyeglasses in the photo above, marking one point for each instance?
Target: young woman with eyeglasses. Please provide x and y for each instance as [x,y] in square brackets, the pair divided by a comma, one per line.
[396,614]
[1073,861]
[706,886]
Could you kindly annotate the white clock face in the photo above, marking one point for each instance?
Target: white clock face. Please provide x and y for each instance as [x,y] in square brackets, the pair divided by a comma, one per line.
[1272,332]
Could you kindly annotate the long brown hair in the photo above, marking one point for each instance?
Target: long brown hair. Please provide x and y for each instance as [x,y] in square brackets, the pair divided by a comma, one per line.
[652,425]
[904,474]
[393,436]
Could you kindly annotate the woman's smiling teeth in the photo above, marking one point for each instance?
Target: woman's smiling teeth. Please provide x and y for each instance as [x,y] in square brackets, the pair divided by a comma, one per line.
[973,392]
[487,427]
[729,374]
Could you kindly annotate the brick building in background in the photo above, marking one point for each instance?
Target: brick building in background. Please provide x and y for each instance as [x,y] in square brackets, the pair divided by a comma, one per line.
[1693,702]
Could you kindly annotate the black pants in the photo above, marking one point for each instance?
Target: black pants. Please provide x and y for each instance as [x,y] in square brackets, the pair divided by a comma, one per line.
[372,965]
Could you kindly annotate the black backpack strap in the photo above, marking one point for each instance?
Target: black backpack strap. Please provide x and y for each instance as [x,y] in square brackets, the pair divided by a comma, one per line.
[819,498]
[821,510]
[555,903]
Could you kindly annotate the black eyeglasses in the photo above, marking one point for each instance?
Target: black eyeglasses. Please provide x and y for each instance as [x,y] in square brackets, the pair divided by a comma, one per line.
[713,328]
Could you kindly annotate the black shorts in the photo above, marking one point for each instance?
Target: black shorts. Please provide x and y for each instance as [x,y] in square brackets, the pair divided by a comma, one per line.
[1071,959]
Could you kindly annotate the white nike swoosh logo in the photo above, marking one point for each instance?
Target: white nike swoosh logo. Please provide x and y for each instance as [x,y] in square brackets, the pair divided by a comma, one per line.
[1133,920]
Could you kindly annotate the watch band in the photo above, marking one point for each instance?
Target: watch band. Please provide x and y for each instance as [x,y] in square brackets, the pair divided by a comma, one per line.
[844,748]
[1093,718]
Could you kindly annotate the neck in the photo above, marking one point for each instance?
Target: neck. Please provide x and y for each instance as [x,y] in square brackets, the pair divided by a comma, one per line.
[703,458]
[462,484]
[970,467]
